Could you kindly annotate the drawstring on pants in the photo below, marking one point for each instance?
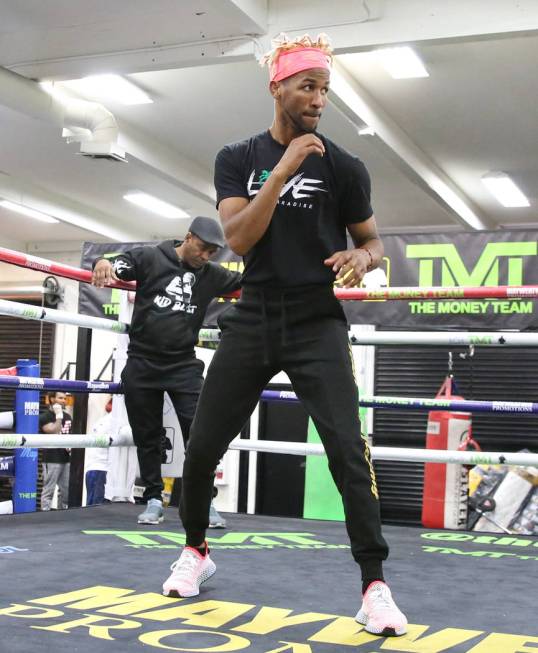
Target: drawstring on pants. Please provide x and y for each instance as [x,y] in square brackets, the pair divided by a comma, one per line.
[282,308]
[283,339]
[265,329]
[265,323]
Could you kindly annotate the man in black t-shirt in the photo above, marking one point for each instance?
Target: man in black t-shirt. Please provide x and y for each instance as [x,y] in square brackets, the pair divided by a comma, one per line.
[286,198]
[175,283]
[54,421]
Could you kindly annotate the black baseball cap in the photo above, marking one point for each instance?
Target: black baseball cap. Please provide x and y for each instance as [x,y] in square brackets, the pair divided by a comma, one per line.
[208,230]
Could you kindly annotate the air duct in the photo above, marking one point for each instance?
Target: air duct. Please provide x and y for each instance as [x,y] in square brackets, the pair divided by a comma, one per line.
[90,123]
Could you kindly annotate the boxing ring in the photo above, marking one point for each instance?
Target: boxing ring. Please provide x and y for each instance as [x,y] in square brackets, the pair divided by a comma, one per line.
[89,578]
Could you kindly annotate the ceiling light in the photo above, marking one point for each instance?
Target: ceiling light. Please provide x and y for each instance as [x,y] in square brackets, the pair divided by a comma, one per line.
[504,190]
[112,88]
[366,131]
[156,205]
[356,101]
[401,62]
[25,210]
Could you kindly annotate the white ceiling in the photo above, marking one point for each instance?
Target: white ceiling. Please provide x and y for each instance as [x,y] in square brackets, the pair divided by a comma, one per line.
[197,59]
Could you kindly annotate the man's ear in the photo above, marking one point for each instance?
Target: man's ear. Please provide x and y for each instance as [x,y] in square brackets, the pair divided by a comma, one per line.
[274,89]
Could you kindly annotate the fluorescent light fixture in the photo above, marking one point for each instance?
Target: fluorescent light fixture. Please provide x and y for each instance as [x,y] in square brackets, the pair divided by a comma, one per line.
[112,88]
[156,205]
[368,113]
[504,190]
[366,131]
[454,202]
[401,62]
[26,210]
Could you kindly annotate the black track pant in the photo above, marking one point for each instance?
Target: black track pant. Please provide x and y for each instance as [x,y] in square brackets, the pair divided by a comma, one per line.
[304,334]
[144,385]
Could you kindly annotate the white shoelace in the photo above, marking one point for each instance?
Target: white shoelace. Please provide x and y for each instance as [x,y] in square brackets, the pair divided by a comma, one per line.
[381,598]
[185,566]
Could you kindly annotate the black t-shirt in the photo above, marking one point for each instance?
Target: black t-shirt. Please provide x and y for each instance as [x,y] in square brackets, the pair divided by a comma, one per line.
[309,222]
[171,299]
[55,455]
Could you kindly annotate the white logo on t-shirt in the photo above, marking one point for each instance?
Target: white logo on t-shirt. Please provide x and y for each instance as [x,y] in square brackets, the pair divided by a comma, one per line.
[180,288]
[299,185]
[119,265]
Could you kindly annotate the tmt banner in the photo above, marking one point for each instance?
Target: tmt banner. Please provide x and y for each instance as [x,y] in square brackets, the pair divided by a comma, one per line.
[465,259]
[478,258]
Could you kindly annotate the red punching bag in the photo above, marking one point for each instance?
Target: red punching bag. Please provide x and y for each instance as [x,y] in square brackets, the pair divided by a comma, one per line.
[444,501]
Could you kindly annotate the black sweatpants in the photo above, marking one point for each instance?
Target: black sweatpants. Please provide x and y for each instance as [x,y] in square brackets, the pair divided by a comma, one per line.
[303,333]
[144,384]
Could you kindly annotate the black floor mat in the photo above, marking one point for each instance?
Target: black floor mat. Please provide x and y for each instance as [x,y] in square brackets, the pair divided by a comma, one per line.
[282,585]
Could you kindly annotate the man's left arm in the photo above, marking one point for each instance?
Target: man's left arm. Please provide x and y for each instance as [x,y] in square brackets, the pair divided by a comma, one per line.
[351,265]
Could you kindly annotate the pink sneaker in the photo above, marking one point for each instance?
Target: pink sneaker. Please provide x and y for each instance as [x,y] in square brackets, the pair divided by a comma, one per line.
[188,573]
[379,614]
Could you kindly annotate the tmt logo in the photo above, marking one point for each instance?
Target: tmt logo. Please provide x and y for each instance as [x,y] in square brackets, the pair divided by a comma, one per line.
[443,263]
[235,540]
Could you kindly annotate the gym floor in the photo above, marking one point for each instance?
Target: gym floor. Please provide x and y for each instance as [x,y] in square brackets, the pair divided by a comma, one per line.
[89,579]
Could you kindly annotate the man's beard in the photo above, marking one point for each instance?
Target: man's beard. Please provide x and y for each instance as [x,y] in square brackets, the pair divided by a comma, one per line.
[299,126]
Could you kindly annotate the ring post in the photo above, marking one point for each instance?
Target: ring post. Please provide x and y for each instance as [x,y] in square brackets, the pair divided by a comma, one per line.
[27,420]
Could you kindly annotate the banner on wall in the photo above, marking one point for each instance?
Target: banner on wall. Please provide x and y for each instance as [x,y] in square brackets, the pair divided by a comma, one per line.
[485,258]
[493,258]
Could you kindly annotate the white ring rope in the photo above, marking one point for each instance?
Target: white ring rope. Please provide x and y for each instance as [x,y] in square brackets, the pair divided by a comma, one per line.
[357,337]
[124,438]
[52,441]
[6,419]
[396,453]
[449,338]
[29,312]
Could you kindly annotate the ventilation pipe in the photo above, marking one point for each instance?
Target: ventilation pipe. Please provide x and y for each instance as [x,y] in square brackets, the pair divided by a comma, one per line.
[90,123]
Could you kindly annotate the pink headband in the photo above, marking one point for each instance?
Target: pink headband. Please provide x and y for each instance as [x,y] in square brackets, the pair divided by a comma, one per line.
[290,62]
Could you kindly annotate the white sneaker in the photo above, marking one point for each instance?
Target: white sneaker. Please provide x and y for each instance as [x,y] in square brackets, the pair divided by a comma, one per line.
[215,519]
[153,514]
[379,614]
[188,573]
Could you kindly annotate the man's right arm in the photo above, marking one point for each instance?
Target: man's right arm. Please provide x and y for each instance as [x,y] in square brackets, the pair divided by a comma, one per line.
[246,222]
[108,270]
[52,426]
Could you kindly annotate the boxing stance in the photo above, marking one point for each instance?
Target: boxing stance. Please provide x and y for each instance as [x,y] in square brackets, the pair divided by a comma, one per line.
[286,198]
